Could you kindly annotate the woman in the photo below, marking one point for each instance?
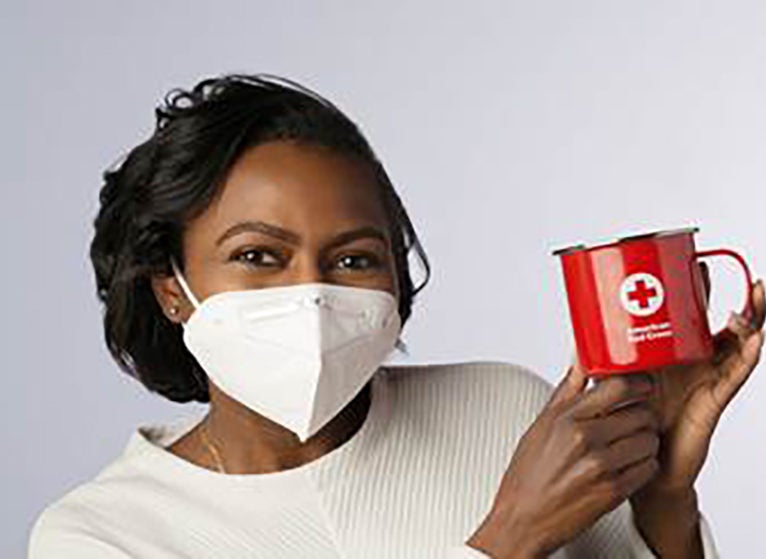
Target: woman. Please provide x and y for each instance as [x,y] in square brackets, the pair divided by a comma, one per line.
[253,254]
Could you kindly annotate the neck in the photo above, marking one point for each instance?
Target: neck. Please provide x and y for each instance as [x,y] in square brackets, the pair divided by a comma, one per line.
[250,443]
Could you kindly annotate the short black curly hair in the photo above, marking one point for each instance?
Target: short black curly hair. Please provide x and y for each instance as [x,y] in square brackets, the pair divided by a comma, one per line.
[149,194]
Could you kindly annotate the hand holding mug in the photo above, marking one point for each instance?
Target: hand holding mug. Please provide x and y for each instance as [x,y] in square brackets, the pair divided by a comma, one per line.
[639,305]
[691,398]
[586,452]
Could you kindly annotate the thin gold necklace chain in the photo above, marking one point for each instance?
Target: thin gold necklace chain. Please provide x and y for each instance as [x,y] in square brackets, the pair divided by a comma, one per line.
[212,449]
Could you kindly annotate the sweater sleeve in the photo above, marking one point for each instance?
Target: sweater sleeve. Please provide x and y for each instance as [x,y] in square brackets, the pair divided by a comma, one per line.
[465,552]
[613,536]
[616,535]
[642,551]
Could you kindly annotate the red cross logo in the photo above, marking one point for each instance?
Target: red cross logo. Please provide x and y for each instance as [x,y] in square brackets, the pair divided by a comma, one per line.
[641,294]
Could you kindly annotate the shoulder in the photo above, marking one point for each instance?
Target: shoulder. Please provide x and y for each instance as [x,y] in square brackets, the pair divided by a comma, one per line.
[474,393]
[84,521]
[63,529]
[70,527]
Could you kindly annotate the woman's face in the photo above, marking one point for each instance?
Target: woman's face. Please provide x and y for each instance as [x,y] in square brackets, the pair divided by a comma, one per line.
[287,213]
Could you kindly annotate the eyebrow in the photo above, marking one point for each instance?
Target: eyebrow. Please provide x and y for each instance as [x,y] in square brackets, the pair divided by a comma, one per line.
[294,238]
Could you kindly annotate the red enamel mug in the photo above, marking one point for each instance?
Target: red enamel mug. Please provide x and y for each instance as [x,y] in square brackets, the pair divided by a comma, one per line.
[639,302]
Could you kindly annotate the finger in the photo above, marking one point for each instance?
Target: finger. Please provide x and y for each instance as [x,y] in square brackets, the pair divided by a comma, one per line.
[622,423]
[725,342]
[610,392]
[741,327]
[574,382]
[728,341]
[759,306]
[635,476]
[737,367]
[646,375]
[738,328]
[629,450]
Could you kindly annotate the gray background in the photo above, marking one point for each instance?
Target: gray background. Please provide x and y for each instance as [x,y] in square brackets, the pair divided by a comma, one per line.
[510,128]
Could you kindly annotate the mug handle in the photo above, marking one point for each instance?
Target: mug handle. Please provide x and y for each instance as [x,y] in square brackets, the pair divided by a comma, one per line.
[747,311]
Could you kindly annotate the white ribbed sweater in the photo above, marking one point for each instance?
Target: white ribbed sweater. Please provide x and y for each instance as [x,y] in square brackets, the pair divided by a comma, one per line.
[414,481]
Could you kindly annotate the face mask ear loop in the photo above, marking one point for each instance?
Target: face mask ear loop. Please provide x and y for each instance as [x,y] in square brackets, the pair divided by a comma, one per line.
[184,285]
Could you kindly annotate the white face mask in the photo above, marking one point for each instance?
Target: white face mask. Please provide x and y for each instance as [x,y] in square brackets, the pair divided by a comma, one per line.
[296,354]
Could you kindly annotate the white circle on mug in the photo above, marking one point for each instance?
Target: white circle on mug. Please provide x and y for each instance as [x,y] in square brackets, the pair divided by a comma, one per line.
[641,294]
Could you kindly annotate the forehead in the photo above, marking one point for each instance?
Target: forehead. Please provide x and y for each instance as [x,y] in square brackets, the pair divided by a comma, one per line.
[308,188]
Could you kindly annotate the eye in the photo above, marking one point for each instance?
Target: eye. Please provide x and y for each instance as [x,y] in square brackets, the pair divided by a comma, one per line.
[255,257]
[359,261]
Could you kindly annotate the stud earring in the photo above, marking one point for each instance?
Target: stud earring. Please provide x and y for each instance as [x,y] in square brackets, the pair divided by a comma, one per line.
[173,310]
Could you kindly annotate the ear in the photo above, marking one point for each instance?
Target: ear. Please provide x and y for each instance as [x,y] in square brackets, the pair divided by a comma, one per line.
[170,297]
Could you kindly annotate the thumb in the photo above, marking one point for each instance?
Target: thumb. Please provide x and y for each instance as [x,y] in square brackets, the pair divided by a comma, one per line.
[574,382]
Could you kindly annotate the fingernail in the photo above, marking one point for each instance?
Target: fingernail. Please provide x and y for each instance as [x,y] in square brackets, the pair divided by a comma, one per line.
[739,319]
[752,343]
[747,322]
